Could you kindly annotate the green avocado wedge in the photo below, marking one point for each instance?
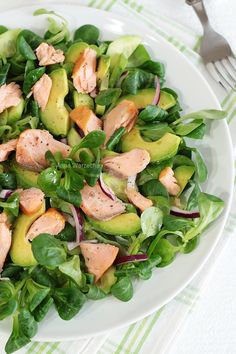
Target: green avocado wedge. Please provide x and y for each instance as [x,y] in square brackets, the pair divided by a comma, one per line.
[21,251]
[55,117]
[162,149]
[124,225]
[145,97]
[183,174]
[25,178]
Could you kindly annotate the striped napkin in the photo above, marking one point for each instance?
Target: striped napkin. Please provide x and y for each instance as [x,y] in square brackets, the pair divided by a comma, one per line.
[152,334]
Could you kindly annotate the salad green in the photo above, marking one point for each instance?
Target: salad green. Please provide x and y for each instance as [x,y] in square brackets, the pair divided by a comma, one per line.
[97,183]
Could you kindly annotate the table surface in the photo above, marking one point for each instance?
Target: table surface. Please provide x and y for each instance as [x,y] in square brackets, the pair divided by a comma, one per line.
[211,327]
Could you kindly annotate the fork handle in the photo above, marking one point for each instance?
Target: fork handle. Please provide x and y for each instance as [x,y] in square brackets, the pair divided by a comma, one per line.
[200,10]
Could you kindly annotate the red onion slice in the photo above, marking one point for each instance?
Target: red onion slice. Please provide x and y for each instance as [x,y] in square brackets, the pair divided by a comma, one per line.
[94,93]
[122,77]
[158,91]
[78,226]
[106,190]
[63,140]
[184,213]
[5,193]
[89,241]
[131,258]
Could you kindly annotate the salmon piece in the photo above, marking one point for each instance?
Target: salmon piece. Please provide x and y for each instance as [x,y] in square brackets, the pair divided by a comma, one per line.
[138,200]
[86,120]
[31,200]
[41,91]
[98,257]
[32,146]
[123,115]
[97,205]
[10,95]
[126,164]
[51,222]
[48,55]
[7,148]
[84,72]
[5,239]
[168,180]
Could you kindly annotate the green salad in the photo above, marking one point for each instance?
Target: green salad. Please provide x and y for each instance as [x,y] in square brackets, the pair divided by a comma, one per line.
[97,183]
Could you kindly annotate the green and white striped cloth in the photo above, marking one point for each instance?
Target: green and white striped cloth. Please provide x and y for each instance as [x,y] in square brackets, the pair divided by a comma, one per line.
[152,334]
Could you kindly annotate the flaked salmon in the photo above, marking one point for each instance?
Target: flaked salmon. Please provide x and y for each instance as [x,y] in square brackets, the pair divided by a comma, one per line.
[51,222]
[84,72]
[126,164]
[98,257]
[138,200]
[123,115]
[48,55]
[10,95]
[41,91]
[169,181]
[5,239]
[97,205]
[32,146]
[31,200]
[7,148]
[86,120]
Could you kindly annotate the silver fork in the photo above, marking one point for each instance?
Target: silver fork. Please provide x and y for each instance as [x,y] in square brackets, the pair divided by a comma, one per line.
[215,50]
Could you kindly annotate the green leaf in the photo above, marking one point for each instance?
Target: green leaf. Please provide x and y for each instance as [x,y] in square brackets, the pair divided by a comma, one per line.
[72,269]
[17,338]
[40,312]
[28,325]
[137,79]
[49,179]
[107,97]
[151,221]
[115,138]
[93,140]
[212,114]
[31,78]
[68,234]
[95,293]
[37,293]
[154,67]
[8,180]
[161,203]
[25,49]
[68,302]
[11,205]
[3,73]
[152,172]
[201,168]
[33,39]
[123,289]
[8,309]
[154,187]
[192,202]
[210,207]
[198,133]
[155,130]
[48,251]
[69,196]
[151,113]
[174,223]
[153,248]
[166,251]
[87,33]
[186,129]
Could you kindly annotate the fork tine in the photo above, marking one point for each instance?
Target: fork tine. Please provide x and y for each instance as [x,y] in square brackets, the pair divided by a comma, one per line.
[230,69]
[223,73]
[213,72]
[232,62]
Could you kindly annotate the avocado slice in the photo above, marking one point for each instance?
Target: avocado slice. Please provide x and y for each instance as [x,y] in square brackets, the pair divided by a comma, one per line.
[124,225]
[21,251]
[118,69]
[125,45]
[73,53]
[105,153]
[103,74]
[8,43]
[183,174]
[117,185]
[107,280]
[162,149]
[25,178]
[73,139]
[145,97]
[82,99]
[13,114]
[55,117]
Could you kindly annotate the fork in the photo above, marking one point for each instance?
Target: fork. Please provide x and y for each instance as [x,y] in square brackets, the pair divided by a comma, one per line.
[215,50]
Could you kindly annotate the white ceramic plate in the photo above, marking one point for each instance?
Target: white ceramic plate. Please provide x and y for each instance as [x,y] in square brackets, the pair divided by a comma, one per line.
[195,94]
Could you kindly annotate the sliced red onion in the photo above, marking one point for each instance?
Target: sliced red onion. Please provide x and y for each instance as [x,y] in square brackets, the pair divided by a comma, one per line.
[89,241]
[106,190]
[69,218]
[5,193]
[131,181]
[158,91]
[94,93]
[131,258]
[184,213]
[63,140]
[78,226]
[122,77]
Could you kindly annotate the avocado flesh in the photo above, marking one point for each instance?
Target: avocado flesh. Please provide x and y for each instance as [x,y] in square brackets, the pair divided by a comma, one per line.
[145,97]
[13,114]
[107,280]
[25,178]
[73,53]
[73,139]
[117,185]
[103,74]
[55,117]
[124,225]
[82,99]
[162,149]
[21,251]
[183,174]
